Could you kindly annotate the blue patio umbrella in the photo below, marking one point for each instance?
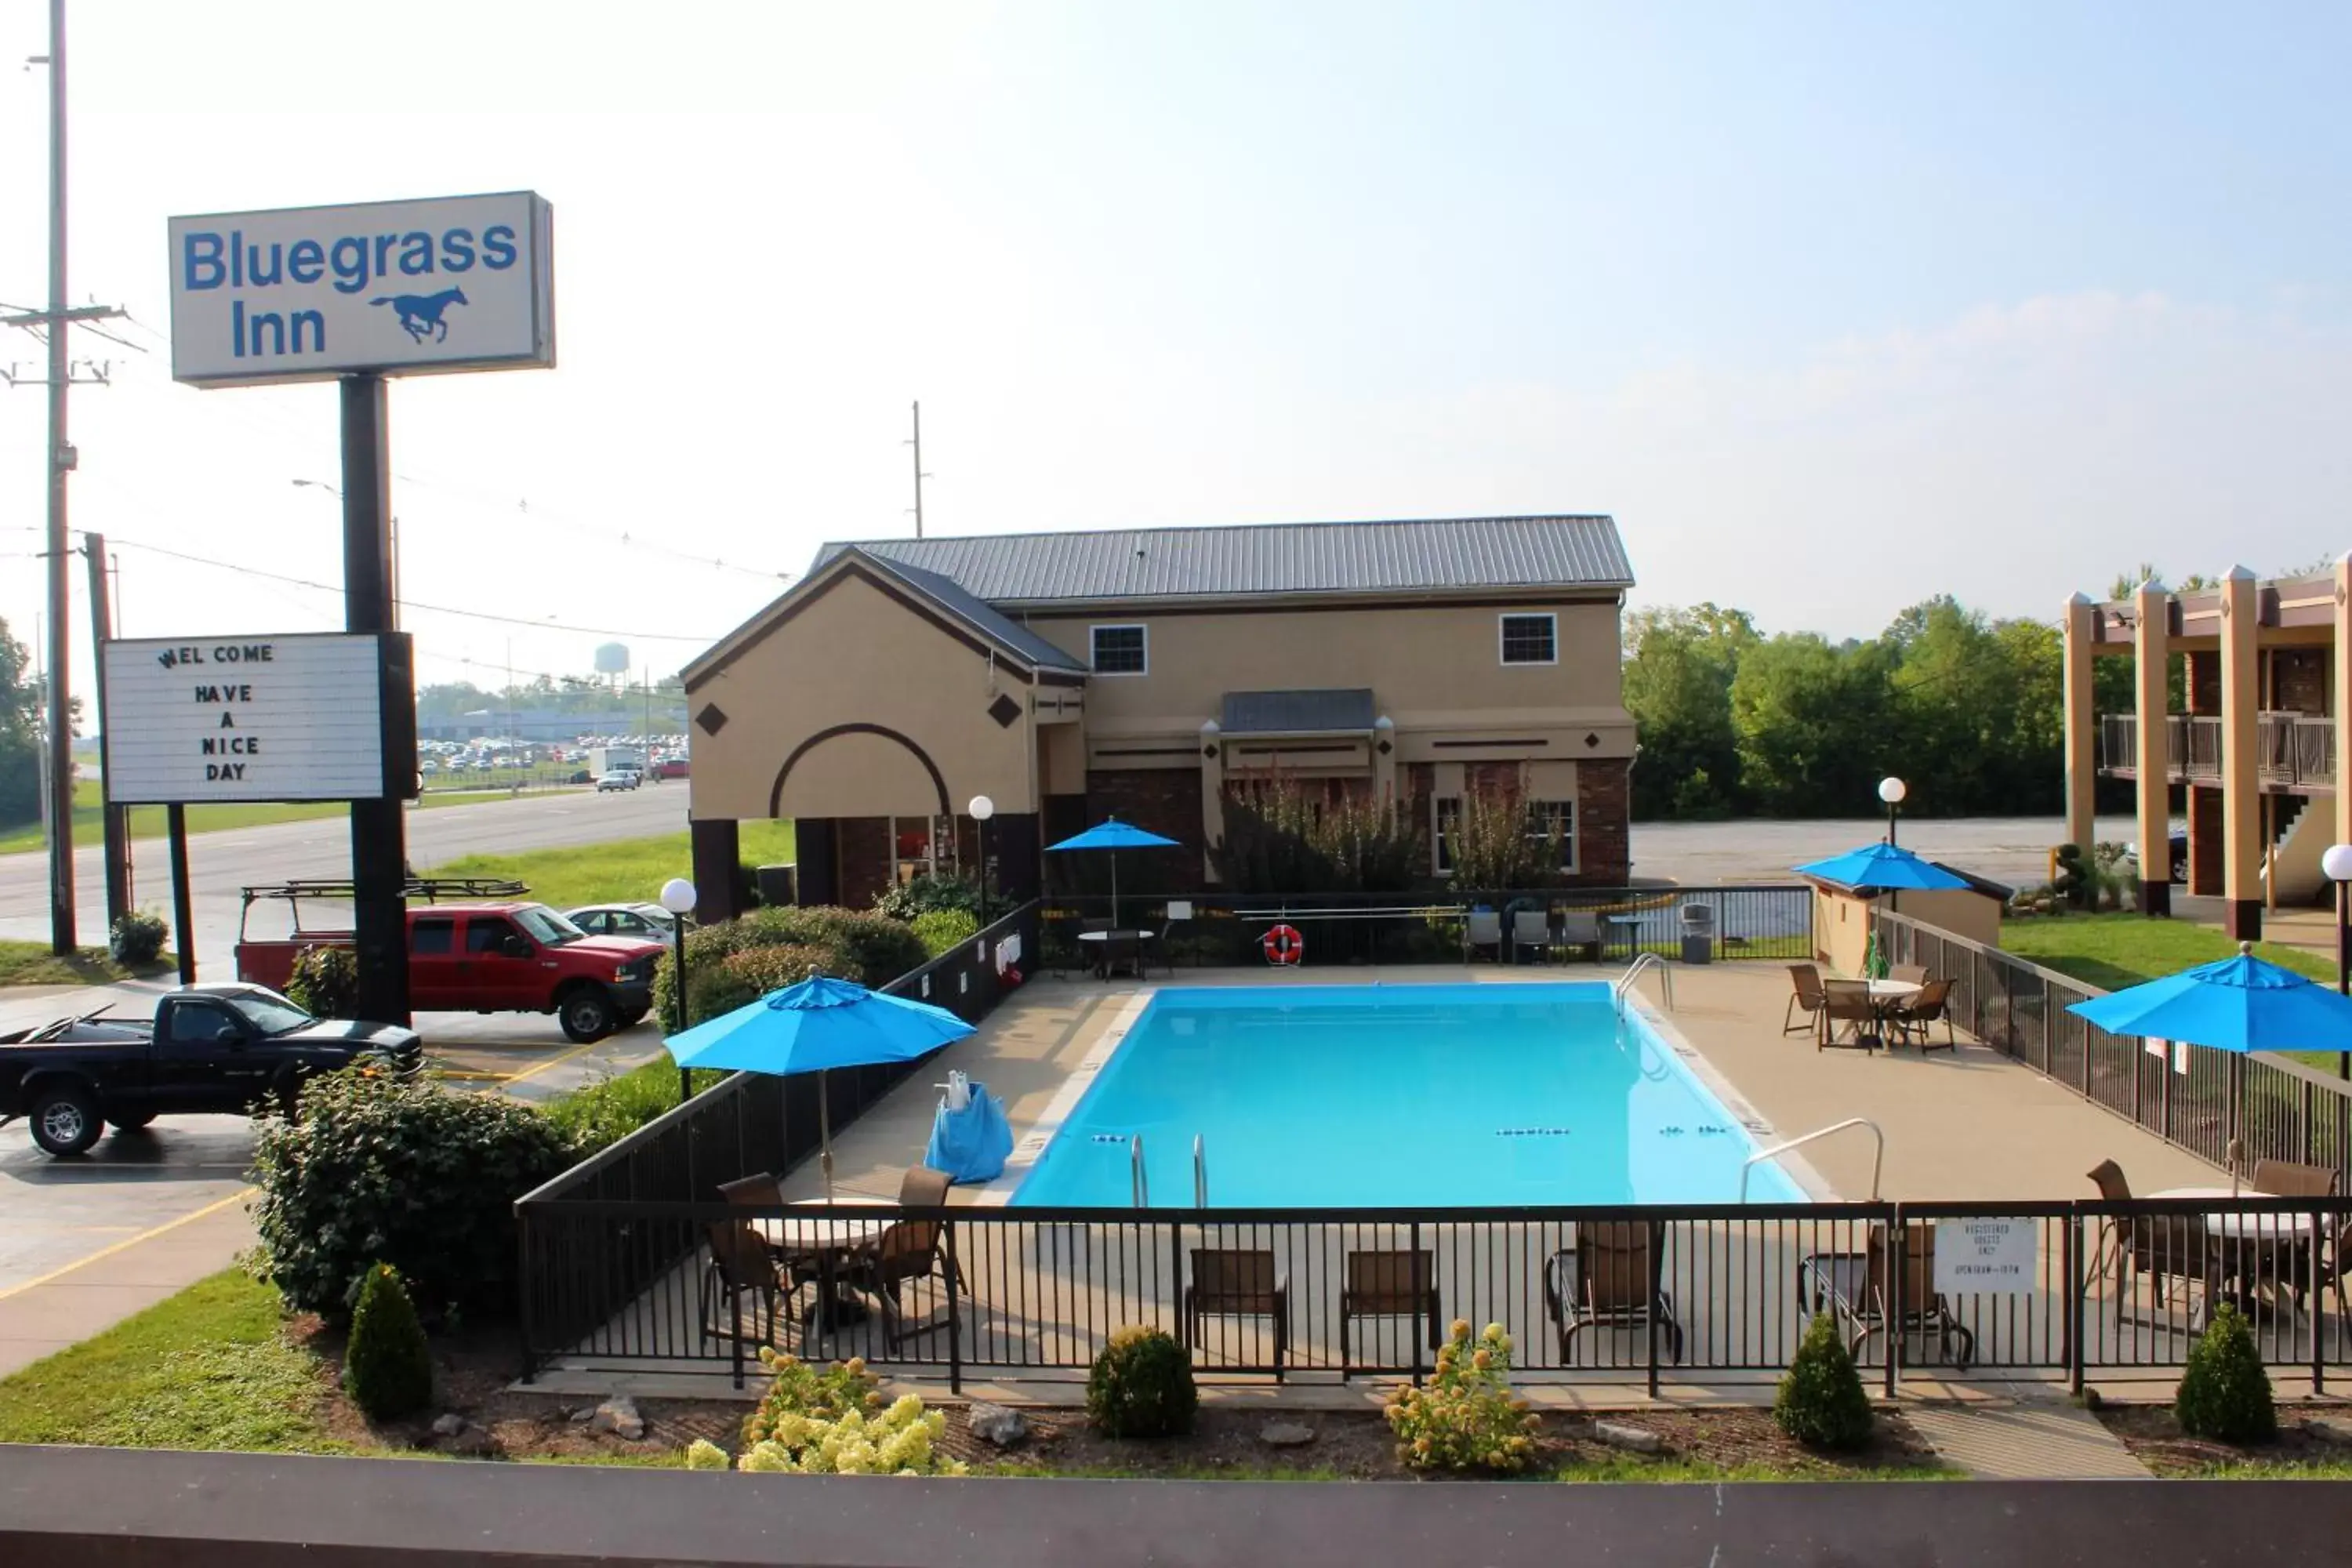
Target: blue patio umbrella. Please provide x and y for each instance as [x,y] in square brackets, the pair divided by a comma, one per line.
[2237,1005]
[815,1027]
[1887,867]
[1113,835]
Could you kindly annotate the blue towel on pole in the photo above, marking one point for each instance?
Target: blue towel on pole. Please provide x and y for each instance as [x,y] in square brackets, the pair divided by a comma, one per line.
[971,1144]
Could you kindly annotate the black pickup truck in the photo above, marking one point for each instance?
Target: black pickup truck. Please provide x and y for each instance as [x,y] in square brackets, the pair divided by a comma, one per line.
[211,1049]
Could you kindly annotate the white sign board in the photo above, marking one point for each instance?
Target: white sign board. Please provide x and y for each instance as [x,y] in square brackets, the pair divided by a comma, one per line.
[404,288]
[1986,1257]
[260,718]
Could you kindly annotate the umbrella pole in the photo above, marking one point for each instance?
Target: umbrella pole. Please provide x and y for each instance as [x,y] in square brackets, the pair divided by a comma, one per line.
[824,1131]
[1114,890]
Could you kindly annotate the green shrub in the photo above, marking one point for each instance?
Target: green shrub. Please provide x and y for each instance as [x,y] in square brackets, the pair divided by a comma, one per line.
[1467,1418]
[137,939]
[943,930]
[610,1109]
[1141,1386]
[403,1171]
[325,982]
[923,895]
[1822,1402]
[831,1421]
[387,1370]
[751,974]
[2225,1394]
[870,949]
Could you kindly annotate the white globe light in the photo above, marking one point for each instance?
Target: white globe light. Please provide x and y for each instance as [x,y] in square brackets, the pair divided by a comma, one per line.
[2337,863]
[678,896]
[981,808]
[1891,791]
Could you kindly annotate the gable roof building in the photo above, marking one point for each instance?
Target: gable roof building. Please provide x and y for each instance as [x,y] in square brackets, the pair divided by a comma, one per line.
[1151,672]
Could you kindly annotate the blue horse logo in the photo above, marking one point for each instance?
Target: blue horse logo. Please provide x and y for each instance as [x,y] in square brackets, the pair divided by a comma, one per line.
[421,313]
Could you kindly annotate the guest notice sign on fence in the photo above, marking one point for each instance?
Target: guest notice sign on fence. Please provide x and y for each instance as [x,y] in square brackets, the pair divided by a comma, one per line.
[1986,1257]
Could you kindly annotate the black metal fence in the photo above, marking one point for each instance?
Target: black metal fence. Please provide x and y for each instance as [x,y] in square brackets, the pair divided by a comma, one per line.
[2203,1100]
[746,1122]
[1217,930]
[2070,1292]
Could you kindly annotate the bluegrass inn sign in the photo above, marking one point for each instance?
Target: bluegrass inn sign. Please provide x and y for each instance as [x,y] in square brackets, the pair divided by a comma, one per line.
[399,288]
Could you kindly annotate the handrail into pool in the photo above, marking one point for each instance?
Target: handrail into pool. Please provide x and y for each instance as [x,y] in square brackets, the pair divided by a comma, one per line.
[1645,961]
[1199,1174]
[1878,1163]
[1137,1180]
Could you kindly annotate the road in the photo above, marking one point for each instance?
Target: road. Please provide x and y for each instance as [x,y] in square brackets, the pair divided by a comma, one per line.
[2011,849]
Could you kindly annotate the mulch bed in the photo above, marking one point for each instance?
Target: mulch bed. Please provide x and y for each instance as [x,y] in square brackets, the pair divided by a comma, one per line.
[2157,1440]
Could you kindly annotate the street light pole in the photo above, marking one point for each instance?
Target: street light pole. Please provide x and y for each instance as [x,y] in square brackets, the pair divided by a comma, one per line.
[2337,863]
[1891,791]
[981,809]
[677,896]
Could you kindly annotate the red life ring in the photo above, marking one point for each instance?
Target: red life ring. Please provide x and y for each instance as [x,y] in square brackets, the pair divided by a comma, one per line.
[1282,944]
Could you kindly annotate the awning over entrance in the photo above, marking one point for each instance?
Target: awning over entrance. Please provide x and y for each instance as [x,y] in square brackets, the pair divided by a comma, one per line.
[1332,710]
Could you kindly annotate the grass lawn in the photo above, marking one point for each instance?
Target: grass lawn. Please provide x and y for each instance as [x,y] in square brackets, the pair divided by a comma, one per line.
[2113,951]
[208,1368]
[32,964]
[147,821]
[627,869]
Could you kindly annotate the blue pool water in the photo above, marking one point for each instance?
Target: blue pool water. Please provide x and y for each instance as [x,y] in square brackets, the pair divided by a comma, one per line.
[1399,1096]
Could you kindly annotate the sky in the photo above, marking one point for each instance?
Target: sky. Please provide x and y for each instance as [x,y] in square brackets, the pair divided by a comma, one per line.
[1832,307]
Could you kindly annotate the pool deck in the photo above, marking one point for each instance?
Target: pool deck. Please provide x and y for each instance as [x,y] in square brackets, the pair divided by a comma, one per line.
[1962,1124]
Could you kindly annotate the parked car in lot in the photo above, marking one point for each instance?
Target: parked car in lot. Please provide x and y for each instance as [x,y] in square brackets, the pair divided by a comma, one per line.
[619,778]
[670,768]
[647,923]
[210,1049]
[503,954]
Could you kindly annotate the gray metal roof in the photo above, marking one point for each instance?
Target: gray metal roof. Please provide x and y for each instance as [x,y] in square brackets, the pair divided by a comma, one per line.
[951,596]
[1297,713]
[1436,555]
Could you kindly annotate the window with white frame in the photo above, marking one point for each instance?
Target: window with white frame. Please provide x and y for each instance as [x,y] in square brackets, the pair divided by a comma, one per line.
[1551,822]
[1445,822]
[1121,650]
[1530,639]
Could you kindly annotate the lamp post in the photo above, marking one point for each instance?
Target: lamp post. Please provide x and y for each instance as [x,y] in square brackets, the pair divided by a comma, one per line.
[981,809]
[2337,863]
[678,897]
[1891,791]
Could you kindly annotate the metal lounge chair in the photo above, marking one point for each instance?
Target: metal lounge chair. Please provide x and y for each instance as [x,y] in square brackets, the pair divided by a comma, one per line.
[1862,1289]
[1388,1285]
[1912,1017]
[1580,931]
[1609,1279]
[1237,1282]
[740,1265]
[1531,928]
[1805,996]
[1847,1002]
[1482,928]
[906,1250]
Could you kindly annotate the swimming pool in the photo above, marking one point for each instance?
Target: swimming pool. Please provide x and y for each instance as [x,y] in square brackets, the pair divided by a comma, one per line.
[1399,1096]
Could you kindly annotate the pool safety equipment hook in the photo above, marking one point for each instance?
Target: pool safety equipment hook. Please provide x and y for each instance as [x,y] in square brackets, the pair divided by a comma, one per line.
[1633,971]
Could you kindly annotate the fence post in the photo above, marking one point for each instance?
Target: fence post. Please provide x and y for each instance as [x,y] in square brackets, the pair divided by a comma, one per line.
[955,1314]
[524,1313]
[1417,1329]
[1893,1256]
[2072,1249]
[2309,1258]
[1657,1270]
[1176,1263]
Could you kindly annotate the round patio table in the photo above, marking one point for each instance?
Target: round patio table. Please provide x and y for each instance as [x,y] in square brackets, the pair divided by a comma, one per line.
[2264,1237]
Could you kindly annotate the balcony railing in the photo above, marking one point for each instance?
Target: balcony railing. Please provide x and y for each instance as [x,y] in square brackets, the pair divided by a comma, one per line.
[2291,750]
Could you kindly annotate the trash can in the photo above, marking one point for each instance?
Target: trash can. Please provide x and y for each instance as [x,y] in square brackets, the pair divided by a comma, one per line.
[1699,933]
[778,885]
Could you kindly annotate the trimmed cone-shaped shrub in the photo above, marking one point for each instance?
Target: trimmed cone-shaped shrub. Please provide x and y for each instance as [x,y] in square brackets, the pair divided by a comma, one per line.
[387,1368]
[1141,1386]
[1821,1403]
[2225,1394]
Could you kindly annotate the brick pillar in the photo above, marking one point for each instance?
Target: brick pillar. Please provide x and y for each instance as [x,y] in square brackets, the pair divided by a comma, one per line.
[2241,800]
[2151,647]
[1603,849]
[714,844]
[816,871]
[2207,844]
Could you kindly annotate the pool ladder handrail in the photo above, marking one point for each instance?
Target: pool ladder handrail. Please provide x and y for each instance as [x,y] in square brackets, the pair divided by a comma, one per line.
[1643,961]
[1878,1163]
[1199,1174]
[1137,1179]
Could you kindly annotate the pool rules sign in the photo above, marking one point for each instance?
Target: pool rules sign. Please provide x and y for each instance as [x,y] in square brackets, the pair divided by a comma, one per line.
[190,719]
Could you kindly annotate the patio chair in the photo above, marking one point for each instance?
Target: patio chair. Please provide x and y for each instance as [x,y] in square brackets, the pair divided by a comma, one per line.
[1849,1004]
[1609,1280]
[1580,931]
[924,1188]
[2168,1248]
[754,1192]
[1531,928]
[740,1265]
[2286,1179]
[1388,1285]
[1180,911]
[1237,1282]
[1483,928]
[1860,1289]
[1917,973]
[1805,982]
[906,1250]
[1911,1018]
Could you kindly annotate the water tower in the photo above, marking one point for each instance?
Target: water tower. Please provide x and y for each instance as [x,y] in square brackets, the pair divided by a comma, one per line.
[612,659]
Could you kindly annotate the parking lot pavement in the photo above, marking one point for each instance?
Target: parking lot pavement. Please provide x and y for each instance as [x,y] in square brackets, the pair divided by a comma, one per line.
[85,1243]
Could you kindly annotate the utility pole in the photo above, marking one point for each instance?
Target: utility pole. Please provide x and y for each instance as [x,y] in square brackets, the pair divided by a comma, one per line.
[56,775]
[118,837]
[920,476]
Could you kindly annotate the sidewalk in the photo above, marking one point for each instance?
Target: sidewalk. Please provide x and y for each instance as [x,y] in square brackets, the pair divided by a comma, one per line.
[44,1316]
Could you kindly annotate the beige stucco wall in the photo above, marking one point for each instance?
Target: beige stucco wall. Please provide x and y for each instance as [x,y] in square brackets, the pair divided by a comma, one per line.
[1436,669]
[1841,920]
[853,654]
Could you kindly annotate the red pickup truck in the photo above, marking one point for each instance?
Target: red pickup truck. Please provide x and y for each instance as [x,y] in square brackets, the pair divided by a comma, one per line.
[495,953]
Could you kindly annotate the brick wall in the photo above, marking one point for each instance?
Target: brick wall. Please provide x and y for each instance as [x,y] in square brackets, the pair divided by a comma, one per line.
[1166,801]
[1603,849]
[2206,845]
[862,845]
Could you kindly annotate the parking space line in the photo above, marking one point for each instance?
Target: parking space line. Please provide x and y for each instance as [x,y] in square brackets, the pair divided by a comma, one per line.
[128,1241]
[554,1061]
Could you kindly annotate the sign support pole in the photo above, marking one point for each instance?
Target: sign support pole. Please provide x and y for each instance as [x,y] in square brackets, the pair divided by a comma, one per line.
[379,830]
[117,818]
[183,918]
